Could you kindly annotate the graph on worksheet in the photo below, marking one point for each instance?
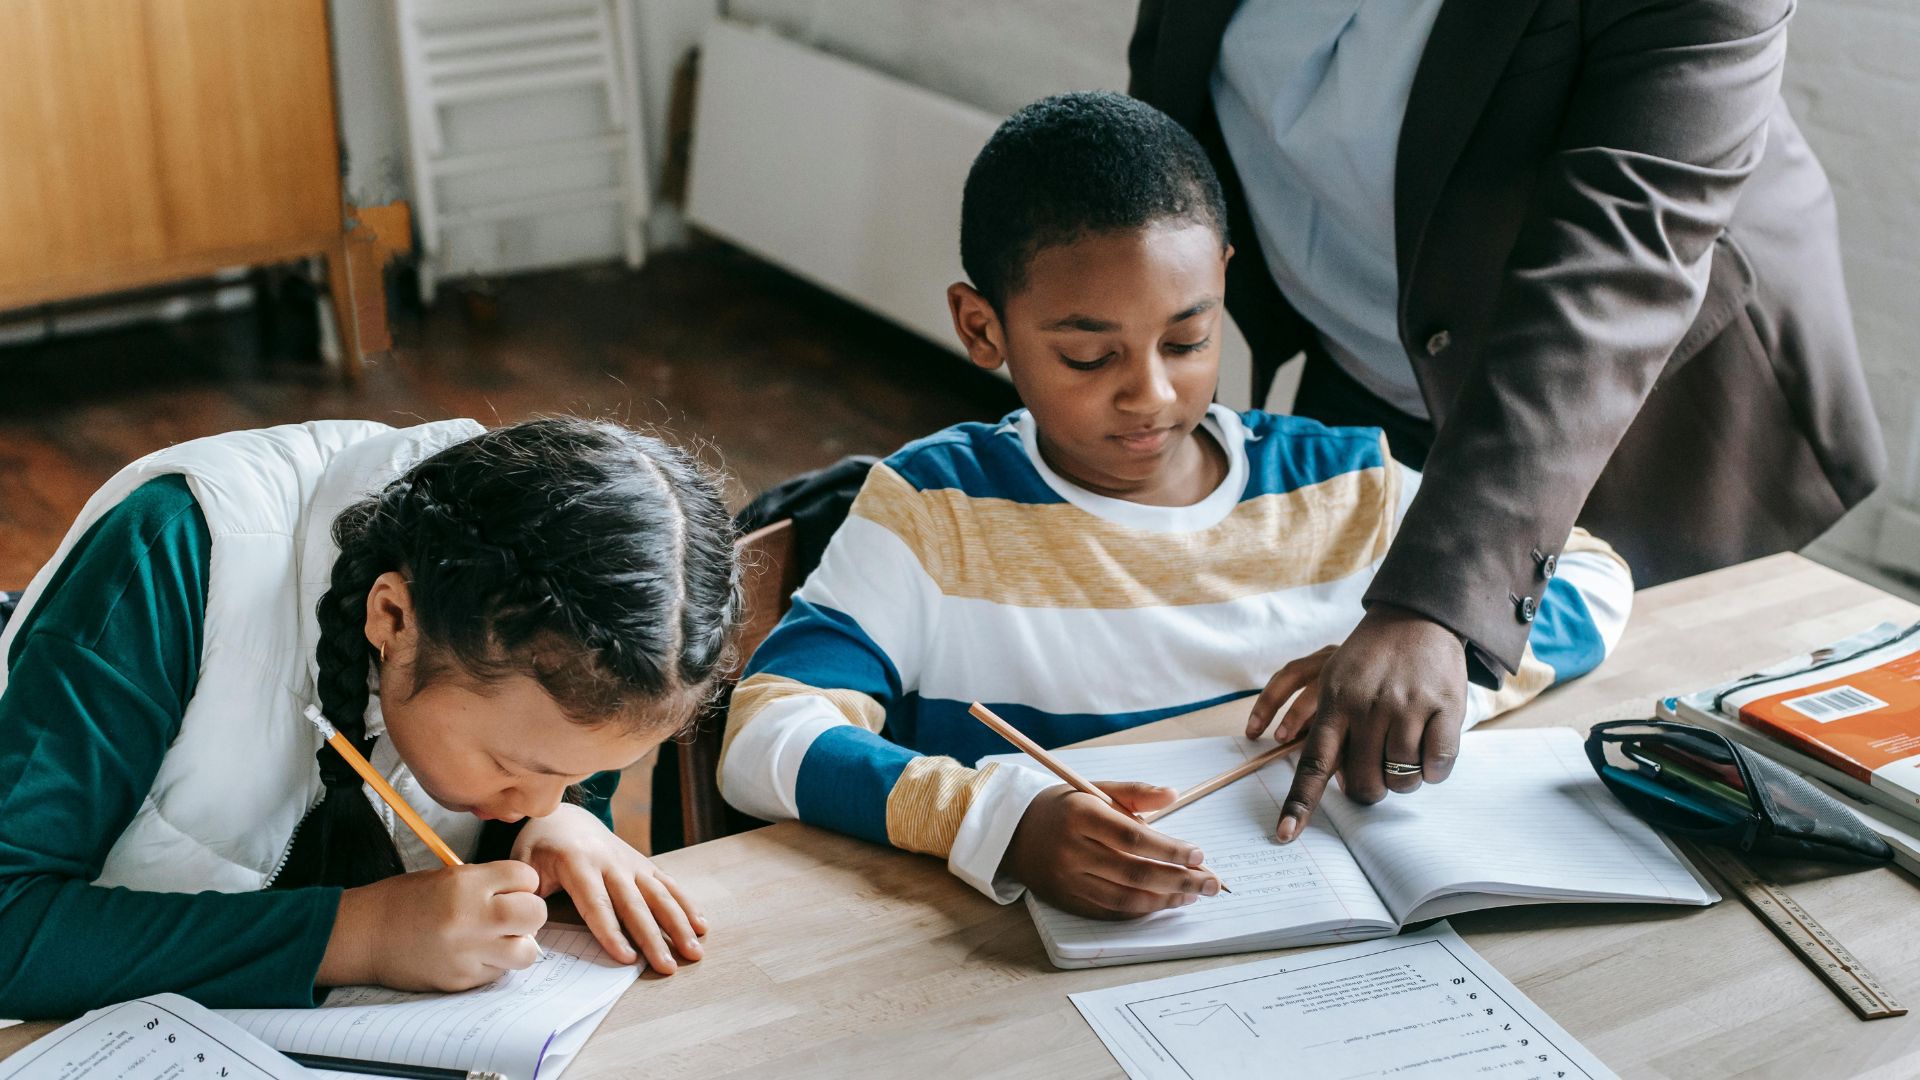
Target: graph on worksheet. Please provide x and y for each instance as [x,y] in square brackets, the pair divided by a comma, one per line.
[1422,1007]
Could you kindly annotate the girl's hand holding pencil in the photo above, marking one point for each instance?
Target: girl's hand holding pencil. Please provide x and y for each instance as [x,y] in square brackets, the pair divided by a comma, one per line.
[460,927]
[449,929]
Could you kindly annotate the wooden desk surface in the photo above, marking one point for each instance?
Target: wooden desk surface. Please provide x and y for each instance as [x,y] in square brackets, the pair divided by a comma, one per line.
[832,957]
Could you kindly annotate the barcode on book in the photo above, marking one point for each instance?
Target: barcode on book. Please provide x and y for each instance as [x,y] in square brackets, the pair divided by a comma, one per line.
[1836,704]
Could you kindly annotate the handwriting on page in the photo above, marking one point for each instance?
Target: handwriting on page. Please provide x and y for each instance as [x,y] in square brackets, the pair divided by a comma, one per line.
[159,1038]
[1313,881]
[504,1026]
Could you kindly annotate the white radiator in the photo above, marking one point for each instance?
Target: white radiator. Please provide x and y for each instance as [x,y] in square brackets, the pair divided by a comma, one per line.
[845,176]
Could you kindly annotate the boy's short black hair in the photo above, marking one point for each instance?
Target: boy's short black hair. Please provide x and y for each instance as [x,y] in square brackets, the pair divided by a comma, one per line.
[1074,164]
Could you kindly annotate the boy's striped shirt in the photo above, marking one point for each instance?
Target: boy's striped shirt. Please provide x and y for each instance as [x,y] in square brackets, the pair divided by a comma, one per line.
[967,570]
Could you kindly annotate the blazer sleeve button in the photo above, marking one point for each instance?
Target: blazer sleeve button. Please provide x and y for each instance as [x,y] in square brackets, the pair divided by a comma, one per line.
[1438,343]
[1547,564]
[1523,608]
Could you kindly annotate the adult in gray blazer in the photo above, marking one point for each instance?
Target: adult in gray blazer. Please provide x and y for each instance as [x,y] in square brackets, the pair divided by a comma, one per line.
[1574,256]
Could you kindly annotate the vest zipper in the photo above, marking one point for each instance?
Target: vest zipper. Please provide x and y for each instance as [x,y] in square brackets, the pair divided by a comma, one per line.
[288,853]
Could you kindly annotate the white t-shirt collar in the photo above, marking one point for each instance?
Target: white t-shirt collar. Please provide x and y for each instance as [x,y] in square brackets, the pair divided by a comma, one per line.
[1221,422]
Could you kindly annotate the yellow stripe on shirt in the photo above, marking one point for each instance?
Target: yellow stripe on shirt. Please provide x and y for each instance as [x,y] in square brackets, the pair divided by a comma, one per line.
[756,692]
[929,801]
[1582,540]
[1524,685]
[1057,555]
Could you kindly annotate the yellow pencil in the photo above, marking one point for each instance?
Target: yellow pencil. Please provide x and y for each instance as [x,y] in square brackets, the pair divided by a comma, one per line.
[389,796]
[385,790]
[1059,768]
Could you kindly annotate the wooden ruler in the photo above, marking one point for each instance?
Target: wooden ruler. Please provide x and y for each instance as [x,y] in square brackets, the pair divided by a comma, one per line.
[1804,935]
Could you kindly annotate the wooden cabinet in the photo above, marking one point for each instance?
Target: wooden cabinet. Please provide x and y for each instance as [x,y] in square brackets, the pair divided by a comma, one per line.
[149,140]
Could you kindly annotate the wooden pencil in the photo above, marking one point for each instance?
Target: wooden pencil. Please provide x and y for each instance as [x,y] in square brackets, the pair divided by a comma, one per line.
[385,790]
[1059,768]
[392,798]
[1208,787]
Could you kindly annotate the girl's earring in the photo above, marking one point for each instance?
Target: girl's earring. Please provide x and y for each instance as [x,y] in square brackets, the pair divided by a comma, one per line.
[383,654]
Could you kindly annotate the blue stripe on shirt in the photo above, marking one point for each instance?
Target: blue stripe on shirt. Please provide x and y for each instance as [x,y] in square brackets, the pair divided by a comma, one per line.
[1564,636]
[988,461]
[982,461]
[845,779]
[811,645]
[1286,453]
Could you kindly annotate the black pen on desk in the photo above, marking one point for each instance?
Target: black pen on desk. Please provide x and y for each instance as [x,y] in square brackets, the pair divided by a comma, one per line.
[390,1068]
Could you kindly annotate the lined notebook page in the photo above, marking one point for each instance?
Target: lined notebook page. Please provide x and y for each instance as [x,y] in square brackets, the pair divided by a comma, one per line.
[1313,883]
[1522,814]
[505,1026]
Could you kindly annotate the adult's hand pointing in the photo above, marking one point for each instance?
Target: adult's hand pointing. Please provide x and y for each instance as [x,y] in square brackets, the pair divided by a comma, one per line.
[1394,691]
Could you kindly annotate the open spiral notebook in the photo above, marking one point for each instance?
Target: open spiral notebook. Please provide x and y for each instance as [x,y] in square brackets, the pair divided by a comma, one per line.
[1522,820]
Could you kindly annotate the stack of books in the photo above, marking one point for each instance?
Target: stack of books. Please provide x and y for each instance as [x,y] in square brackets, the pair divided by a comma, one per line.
[1845,716]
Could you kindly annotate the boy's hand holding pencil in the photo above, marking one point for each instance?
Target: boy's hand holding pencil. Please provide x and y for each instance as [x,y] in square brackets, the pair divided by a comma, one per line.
[1084,847]
[1084,856]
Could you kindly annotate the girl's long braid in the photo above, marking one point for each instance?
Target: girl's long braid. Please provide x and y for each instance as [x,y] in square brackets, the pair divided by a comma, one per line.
[343,841]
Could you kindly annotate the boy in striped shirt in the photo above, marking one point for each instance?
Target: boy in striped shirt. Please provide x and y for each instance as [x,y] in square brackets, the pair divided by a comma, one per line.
[1118,551]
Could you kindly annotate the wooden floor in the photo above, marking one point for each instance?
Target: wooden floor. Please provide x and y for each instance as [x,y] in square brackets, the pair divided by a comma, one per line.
[762,374]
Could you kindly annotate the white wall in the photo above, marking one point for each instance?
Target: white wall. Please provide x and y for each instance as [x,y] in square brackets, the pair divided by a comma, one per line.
[1854,85]
[366,66]
[995,54]
[1851,80]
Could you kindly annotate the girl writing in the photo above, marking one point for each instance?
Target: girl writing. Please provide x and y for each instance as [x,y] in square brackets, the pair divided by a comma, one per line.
[494,618]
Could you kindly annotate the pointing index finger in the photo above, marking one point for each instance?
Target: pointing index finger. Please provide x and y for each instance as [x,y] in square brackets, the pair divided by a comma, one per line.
[1318,760]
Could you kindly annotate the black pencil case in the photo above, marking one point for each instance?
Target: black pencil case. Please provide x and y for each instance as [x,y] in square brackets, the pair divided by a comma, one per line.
[1697,783]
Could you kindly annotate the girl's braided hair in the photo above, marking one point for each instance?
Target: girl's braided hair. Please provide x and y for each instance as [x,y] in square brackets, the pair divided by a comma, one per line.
[594,559]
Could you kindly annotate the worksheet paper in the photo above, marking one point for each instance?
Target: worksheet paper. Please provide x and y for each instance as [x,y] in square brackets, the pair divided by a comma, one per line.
[526,1026]
[1420,1006]
[163,1037]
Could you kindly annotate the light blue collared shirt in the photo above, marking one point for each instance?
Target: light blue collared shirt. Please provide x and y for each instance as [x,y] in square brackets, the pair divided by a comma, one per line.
[1310,94]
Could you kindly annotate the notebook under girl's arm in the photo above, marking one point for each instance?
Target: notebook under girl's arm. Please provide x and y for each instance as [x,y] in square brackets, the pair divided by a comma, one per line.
[526,1025]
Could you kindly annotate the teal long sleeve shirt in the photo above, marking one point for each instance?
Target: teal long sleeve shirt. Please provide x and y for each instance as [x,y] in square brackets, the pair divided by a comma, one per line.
[99,679]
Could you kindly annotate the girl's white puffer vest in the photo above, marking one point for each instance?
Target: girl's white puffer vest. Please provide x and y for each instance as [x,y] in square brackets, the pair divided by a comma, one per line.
[241,773]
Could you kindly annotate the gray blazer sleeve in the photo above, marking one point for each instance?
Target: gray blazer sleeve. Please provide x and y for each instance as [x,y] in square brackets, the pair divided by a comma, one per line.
[1667,119]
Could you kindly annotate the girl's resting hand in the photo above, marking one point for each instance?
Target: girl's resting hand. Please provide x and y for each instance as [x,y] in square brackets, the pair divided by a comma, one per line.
[612,886]
[449,929]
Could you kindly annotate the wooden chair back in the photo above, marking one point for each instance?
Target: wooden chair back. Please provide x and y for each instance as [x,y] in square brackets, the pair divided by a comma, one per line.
[770,571]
